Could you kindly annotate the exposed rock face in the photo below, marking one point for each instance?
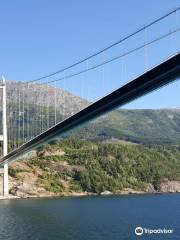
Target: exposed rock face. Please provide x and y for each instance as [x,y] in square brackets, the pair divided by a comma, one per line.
[150,188]
[170,186]
[25,184]
[106,193]
[58,152]
[24,188]
[127,191]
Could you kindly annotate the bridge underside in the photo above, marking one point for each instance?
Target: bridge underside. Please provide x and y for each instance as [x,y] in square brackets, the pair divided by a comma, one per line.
[155,78]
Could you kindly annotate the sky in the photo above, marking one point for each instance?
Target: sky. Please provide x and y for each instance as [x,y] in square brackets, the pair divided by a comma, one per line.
[39,37]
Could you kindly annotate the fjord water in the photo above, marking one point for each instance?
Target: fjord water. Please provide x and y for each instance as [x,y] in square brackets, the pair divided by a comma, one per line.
[89,218]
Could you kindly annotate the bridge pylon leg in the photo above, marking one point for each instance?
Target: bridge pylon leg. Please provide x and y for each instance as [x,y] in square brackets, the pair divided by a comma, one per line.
[3,138]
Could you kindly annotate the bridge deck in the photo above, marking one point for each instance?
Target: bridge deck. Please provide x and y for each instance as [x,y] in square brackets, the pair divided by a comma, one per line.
[155,78]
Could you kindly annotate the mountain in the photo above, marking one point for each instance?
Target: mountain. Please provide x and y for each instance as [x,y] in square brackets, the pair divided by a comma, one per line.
[44,95]
[140,126]
[37,102]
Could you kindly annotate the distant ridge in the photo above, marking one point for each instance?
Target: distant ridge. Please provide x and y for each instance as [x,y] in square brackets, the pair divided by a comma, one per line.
[65,101]
[146,126]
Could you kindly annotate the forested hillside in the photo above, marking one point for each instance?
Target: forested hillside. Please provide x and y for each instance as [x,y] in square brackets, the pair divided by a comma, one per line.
[139,126]
[72,165]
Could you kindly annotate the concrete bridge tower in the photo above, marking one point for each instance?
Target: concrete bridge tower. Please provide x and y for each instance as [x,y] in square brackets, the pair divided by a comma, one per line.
[3,138]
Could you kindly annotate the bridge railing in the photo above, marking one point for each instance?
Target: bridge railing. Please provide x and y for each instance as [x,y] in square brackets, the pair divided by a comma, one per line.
[35,106]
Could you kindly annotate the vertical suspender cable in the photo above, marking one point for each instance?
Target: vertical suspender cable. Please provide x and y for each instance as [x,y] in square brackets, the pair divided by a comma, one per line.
[55,104]
[103,78]
[42,108]
[177,26]
[14,117]
[47,106]
[146,49]
[23,113]
[19,117]
[42,101]
[86,82]
[28,122]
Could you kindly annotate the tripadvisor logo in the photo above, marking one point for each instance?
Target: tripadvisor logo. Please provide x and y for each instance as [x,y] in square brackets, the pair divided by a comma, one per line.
[140,231]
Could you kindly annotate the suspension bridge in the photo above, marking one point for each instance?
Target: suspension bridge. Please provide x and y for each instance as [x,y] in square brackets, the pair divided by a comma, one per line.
[36,111]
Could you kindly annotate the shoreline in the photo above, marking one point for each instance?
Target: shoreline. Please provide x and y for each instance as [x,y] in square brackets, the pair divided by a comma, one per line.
[84,194]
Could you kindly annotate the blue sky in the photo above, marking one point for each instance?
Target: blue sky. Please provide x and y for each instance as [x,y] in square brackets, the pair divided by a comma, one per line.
[39,37]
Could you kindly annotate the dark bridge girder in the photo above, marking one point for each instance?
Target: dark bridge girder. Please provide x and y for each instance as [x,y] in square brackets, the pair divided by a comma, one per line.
[155,78]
